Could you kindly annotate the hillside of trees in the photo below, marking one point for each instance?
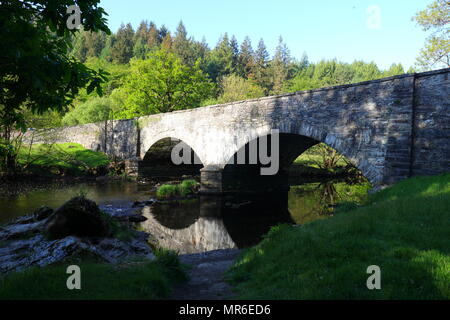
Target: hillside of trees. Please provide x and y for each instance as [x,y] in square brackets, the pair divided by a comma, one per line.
[152,70]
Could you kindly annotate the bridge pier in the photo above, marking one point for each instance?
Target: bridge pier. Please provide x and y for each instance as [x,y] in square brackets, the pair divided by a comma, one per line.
[211,180]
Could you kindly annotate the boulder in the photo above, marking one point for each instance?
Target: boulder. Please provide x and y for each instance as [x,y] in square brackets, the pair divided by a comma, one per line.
[77,217]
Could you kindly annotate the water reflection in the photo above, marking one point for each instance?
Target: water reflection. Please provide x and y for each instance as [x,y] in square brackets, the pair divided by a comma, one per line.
[204,223]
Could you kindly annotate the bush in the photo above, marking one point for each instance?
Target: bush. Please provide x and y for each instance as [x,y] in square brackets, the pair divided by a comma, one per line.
[184,189]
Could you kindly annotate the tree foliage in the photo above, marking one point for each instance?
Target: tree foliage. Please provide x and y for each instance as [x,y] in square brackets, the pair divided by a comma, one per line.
[161,83]
[36,71]
[435,18]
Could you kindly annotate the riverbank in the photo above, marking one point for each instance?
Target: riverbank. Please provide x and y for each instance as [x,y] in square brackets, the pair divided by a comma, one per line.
[403,229]
[115,260]
[134,280]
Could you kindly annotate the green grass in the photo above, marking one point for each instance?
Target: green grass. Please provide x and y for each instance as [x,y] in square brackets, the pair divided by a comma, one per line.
[183,189]
[405,230]
[131,280]
[62,158]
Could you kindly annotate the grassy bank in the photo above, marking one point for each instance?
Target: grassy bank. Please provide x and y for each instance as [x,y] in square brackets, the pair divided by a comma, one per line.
[183,189]
[61,159]
[405,230]
[138,280]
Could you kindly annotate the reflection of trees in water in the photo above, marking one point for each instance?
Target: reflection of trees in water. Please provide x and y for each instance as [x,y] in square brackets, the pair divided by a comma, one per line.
[317,200]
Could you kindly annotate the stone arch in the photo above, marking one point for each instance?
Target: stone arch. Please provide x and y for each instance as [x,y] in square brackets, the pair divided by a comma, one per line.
[157,159]
[297,137]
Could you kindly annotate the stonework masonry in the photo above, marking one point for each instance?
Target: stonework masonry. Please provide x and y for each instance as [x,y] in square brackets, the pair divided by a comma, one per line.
[390,128]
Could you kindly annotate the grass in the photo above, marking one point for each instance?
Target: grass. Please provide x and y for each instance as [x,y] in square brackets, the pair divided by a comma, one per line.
[131,280]
[60,159]
[403,229]
[183,189]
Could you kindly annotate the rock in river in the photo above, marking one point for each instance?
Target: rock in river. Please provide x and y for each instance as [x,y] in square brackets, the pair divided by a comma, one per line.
[77,217]
[78,228]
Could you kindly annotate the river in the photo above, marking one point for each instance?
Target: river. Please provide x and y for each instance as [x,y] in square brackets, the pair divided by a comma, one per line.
[202,223]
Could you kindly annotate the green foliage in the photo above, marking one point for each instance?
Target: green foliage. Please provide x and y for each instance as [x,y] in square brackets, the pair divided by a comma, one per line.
[94,110]
[332,73]
[436,52]
[162,83]
[402,229]
[36,72]
[235,88]
[64,158]
[184,189]
[122,44]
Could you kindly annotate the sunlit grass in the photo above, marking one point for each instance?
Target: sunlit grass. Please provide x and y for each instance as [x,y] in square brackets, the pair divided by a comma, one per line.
[183,189]
[70,158]
[403,229]
[99,281]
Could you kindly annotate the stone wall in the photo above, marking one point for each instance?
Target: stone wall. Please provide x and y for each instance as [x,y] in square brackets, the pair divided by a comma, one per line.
[431,135]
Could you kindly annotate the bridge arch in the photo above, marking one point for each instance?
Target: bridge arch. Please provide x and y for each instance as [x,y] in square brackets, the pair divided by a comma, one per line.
[158,160]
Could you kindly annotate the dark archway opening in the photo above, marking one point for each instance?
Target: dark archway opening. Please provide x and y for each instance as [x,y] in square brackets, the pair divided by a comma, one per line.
[300,159]
[244,171]
[158,162]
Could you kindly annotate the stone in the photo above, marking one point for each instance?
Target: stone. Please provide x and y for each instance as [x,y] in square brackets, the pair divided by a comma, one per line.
[77,217]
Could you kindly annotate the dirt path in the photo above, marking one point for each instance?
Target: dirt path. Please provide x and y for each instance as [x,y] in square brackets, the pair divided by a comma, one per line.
[206,276]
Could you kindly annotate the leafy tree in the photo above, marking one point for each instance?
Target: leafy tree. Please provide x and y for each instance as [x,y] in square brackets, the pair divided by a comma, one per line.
[96,109]
[394,70]
[36,71]
[162,83]
[436,52]
[235,88]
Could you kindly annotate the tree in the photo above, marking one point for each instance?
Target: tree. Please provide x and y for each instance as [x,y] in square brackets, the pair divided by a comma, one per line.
[162,83]
[122,47]
[36,72]
[436,53]
[260,74]
[279,67]
[221,59]
[96,109]
[246,61]
[235,88]
[182,46]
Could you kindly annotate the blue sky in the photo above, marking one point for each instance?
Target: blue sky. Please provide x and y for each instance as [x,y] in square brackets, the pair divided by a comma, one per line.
[324,29]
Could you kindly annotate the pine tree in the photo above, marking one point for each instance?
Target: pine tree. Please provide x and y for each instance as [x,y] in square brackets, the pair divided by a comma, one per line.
[154,39]
[221,59]
[279,67]
[182,45]
[122,48]
[246,61]
[167,42]
[235,49]
[260,74]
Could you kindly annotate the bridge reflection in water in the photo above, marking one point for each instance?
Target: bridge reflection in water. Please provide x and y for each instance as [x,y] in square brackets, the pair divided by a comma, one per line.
[213,222]
[222,222]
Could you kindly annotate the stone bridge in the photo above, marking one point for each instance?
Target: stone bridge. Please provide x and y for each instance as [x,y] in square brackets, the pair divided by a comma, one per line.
[390,129]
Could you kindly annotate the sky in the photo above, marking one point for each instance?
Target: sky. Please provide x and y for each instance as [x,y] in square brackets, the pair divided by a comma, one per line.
[370,30]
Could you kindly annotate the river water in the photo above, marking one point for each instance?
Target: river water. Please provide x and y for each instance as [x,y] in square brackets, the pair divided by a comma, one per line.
[202,223]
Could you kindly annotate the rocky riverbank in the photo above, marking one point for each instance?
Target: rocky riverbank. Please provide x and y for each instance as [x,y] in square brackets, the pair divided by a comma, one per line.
[77,229]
